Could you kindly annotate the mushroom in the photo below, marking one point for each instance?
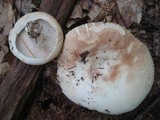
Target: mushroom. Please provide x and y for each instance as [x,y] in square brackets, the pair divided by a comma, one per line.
[103,67]
[36,38]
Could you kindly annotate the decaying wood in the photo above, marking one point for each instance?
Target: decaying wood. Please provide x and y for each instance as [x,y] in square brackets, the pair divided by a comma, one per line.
[51,6]
[62,16]
[61,10]
[21,80]
[17,87]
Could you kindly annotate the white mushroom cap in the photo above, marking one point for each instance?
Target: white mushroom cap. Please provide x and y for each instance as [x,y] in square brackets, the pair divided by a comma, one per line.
[105,68]
[39,47]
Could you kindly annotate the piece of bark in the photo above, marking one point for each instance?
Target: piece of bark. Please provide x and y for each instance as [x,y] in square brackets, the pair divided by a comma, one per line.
[21,81]
[51,6]
[16,88]
[63,16]
[60,9]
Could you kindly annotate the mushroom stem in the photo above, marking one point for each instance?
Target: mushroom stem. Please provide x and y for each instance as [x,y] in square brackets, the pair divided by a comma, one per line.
[33,28]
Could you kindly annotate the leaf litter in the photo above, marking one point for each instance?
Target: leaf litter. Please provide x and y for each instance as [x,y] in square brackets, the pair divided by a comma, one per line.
[25,6]
[6,23]
[52,104]
[129,11]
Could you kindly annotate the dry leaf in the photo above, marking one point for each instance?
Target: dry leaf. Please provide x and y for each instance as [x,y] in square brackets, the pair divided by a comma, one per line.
[4,68]
[101,1]
[101,16]
[130,11]
[94,11]
[1,56]
[4,49]
[86,5]
[77,12]
[7,18]
[3,39]
[24,6]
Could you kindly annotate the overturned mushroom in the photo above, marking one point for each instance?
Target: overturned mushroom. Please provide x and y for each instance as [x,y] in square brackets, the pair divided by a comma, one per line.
[36,38]
[105,68]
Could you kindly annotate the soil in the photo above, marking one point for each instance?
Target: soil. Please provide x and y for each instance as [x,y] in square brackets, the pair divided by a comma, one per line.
[50,103]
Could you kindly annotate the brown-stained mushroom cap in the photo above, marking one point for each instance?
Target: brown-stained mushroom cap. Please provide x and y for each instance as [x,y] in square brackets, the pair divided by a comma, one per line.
[105,68]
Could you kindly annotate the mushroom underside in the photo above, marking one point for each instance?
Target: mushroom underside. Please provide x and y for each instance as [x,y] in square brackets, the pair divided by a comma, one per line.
[40,46]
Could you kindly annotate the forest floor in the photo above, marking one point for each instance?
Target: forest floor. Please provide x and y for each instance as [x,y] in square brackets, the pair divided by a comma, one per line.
[49,103]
